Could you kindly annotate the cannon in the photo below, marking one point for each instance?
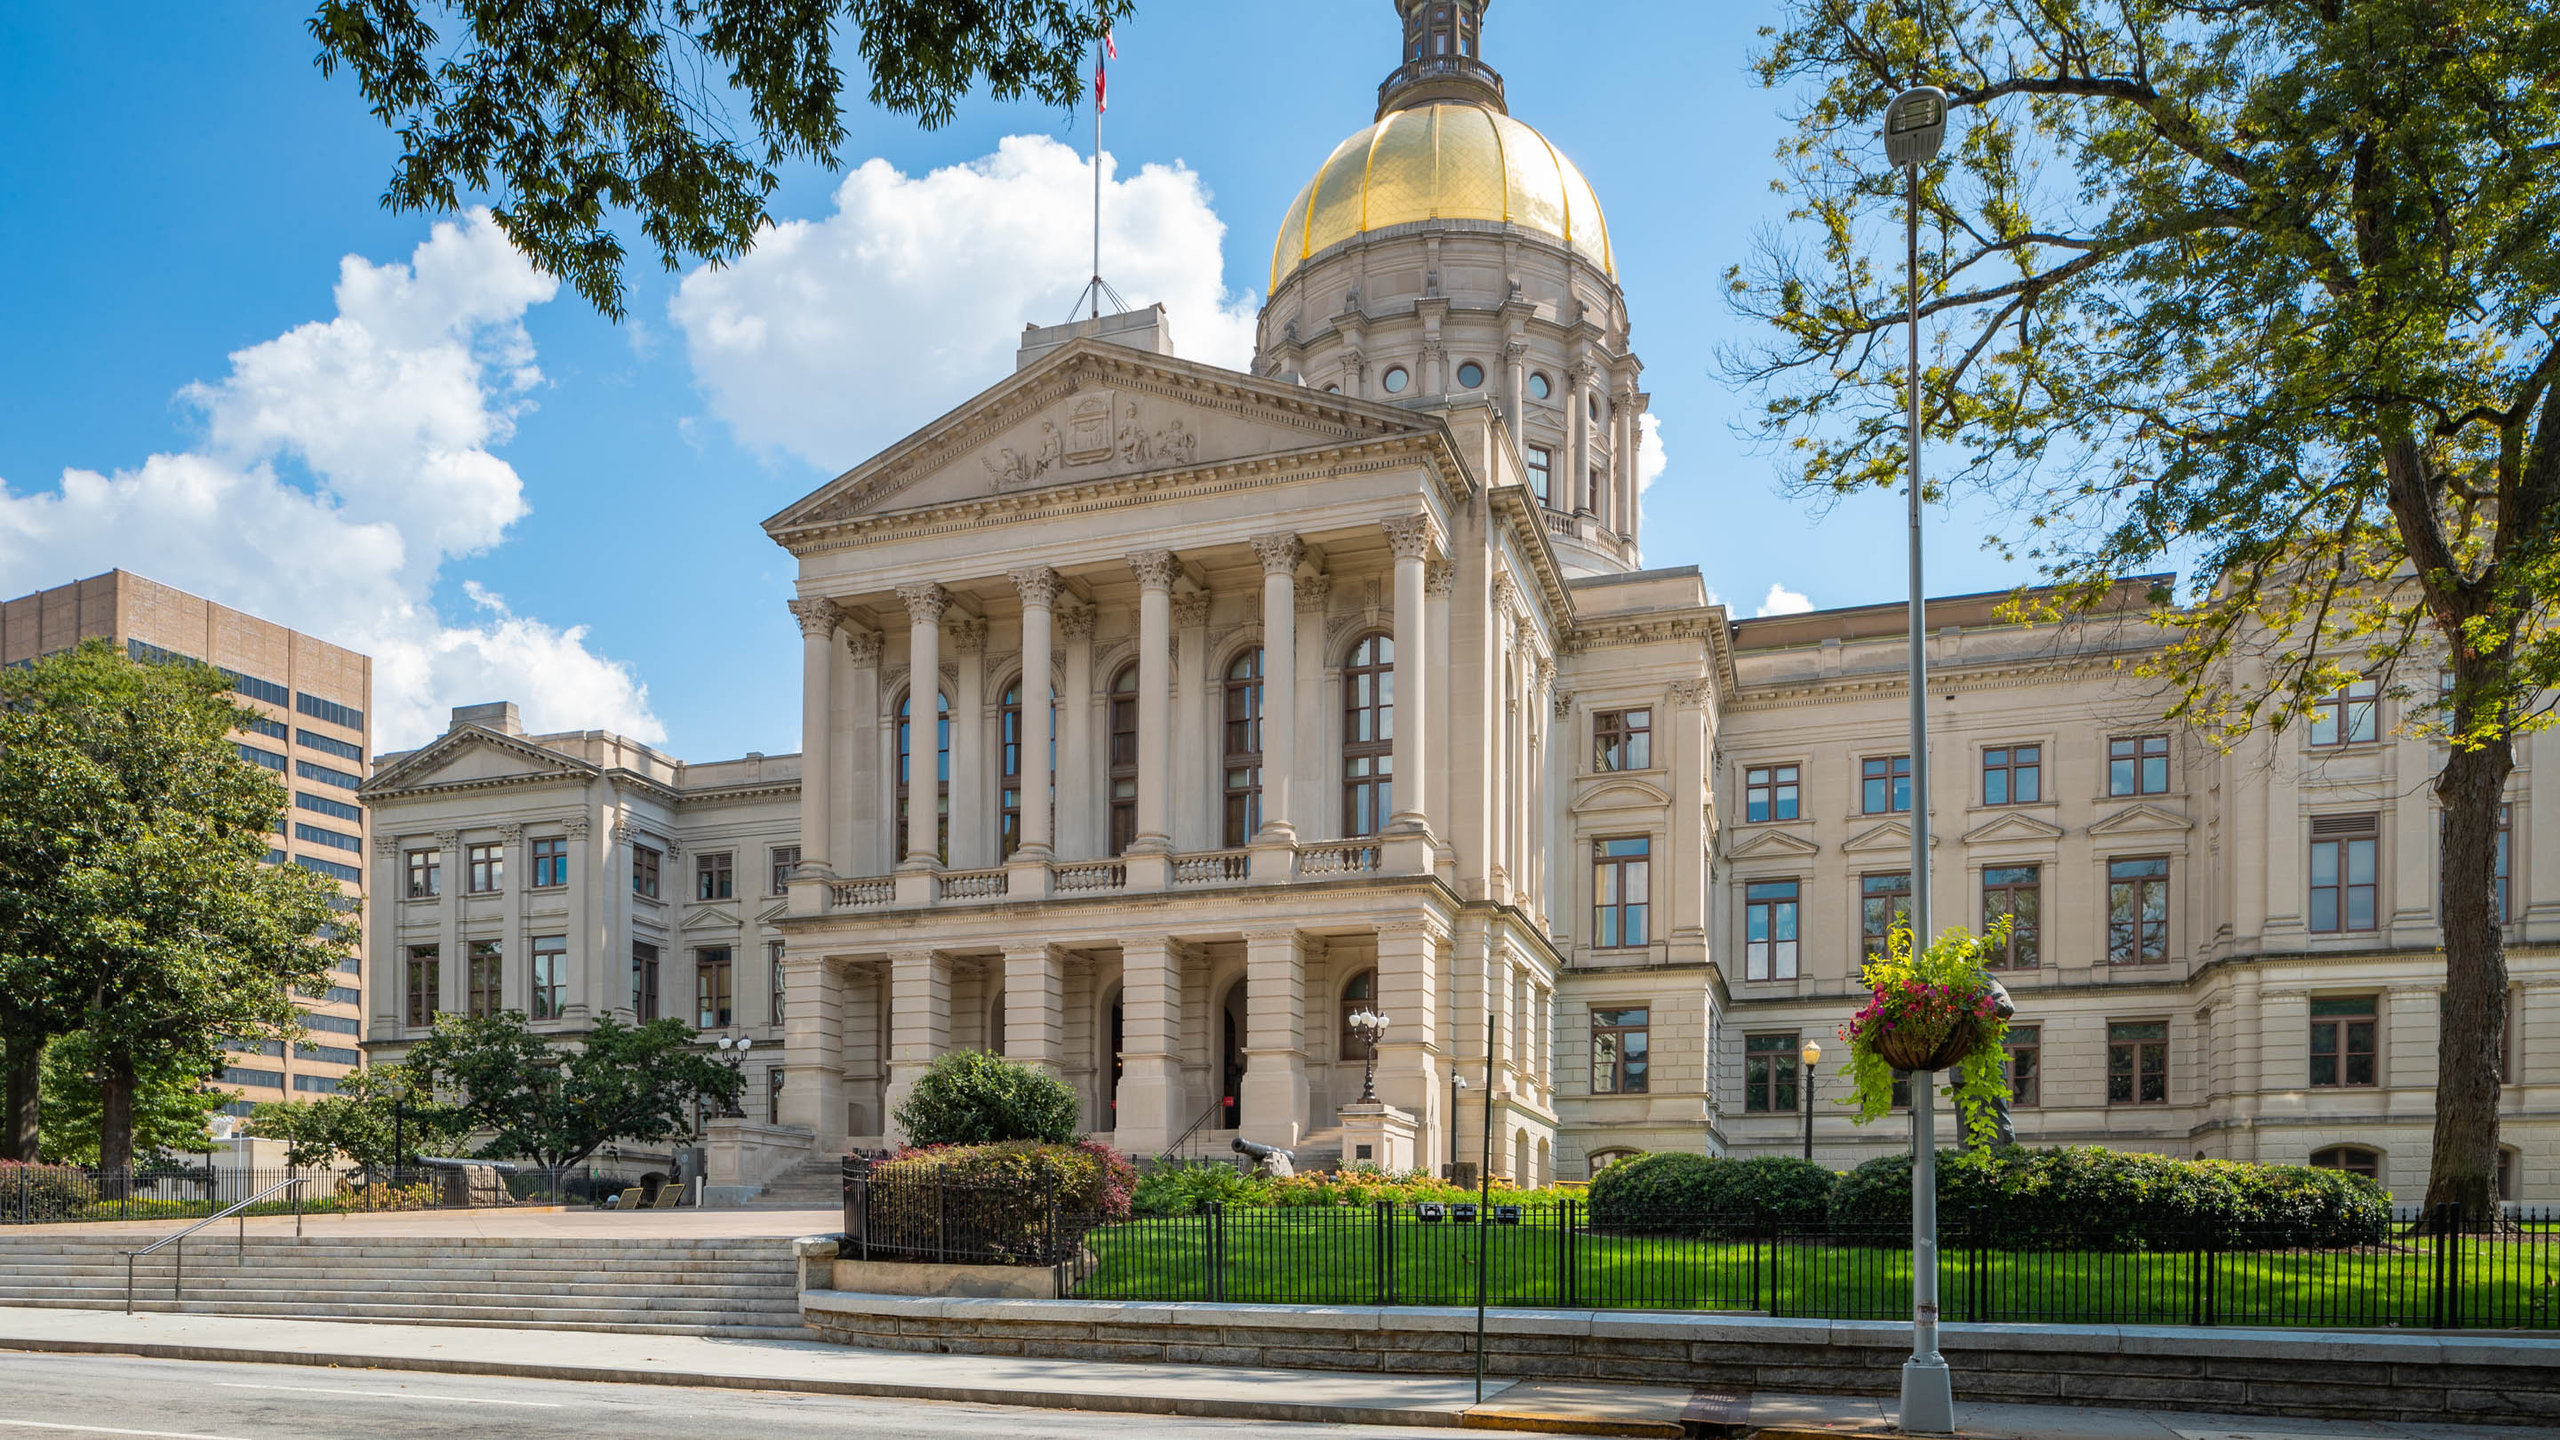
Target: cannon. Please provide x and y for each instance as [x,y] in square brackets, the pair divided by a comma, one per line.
[1271,1160]
[2004,1133]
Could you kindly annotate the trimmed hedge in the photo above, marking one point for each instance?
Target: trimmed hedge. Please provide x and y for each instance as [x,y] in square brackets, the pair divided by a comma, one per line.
[2089,1198]
[1018,1203]
[1180,1187]
[970,1097]
[1676,1190]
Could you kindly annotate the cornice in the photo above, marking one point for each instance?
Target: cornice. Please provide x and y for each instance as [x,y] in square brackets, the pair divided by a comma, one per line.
[1829,690]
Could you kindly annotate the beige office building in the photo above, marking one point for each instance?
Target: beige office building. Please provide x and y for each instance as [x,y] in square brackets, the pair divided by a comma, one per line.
[312,703]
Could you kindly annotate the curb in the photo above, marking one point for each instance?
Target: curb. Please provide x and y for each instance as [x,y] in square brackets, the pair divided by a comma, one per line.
[1189,1407]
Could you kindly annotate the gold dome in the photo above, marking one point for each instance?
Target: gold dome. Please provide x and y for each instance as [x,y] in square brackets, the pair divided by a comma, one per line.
[1443,162]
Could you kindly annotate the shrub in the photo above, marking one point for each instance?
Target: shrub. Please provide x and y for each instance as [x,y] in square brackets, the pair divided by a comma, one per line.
[42,1192]
[1181,1188]
[2088,1198]
[1682,1191]
[970,1097]
[1017,1203]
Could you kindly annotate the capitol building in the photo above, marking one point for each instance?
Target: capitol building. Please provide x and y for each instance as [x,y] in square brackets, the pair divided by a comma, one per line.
[1156,717]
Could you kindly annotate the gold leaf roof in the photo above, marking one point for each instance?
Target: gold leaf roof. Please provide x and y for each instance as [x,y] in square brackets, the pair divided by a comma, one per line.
[1443,162]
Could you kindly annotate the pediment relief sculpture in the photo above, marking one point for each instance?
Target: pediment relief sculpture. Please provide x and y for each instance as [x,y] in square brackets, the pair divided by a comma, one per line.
[1097,432]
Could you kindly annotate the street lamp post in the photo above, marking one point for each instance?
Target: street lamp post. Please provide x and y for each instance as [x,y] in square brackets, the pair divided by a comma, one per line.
[733,1050]
[1457,1084]
[1811,1055]
[1915,124]
[1369,1025]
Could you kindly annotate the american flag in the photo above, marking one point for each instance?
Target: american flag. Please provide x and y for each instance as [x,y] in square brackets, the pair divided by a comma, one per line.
[1110,51]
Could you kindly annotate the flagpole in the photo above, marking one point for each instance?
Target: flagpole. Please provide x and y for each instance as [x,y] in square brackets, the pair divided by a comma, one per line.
[1098,71]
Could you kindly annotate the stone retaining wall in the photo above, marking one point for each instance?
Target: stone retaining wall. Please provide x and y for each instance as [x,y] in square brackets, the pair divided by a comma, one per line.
[2442,1377]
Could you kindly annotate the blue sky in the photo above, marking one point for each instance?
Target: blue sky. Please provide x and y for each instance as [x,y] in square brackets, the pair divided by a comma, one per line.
[496,491]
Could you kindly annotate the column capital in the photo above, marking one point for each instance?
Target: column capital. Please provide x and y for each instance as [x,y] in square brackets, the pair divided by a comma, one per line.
[862,646]
[576,825]
[1506,594]
[1292,935]
[1155,569]
[1076,622]
[1563,704]
[1440,577]
[448,839]
[386,845]
[1280,554]
[968,635]
[816,616]
[925,601]
[1042,951]
[1428,927]
[510,834]
[1409,536]
[1690,694]
[1191,610]
[1313,590]
[1037,584]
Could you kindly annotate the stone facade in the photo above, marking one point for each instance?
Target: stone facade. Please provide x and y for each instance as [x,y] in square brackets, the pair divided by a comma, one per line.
[1359,699]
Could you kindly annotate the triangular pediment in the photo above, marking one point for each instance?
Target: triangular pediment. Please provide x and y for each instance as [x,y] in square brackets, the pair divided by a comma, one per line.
[474,755]
[1891,837]
[1773,843]
[1093,412]
[711,917]
[2142,818]
[773,912]
[2014,826]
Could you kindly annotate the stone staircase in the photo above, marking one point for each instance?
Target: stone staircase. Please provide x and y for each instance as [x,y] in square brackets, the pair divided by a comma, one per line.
[733,1288]
[816,1183]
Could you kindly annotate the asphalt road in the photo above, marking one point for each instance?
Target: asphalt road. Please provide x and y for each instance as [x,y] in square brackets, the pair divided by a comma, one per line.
[72,1396]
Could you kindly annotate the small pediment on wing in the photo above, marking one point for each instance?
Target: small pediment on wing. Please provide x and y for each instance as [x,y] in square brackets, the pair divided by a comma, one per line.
[1619,793]
[709,917]
[1893,837]
[2142,818]
[1771,843]
[2015,825]
[472,755]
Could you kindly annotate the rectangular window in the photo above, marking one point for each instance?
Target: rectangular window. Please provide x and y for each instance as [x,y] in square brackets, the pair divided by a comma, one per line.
[1884,906]
[329,710]
[1622,891]
[334,839]
[309,770]
[1542,468]
[316,1084]
[1884,784]
[318,805]
[327,746]
[785,858]
[259,1079]
[712,876]
[1619,1042]
[425,986]
[345,995]
[2344,873]
[333,1024]
[2026,1066]
[351,874]
[426,874]
[1770,792]
[550,861]
[257,689]
[487,869]
[1769,1074]
[1769,930]
[644,871]
[2349,717]
[272,729]
[2138,1063]
[2138,765]
[1622,740]
[644,982]
[2342,1035]
[2138,910]
[326,1054]
[2015,891]
[712,1007]
[486,990]
[550,976]
[263,759]
[2013,775]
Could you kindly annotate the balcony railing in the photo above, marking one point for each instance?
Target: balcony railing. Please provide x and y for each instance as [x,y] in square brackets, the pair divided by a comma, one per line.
[1357,857]
[862,894]
[1218,867]
[1089,876]
[972,885]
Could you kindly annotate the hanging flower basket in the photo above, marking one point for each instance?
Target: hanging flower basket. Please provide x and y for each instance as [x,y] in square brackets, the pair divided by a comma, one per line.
[1937,1010]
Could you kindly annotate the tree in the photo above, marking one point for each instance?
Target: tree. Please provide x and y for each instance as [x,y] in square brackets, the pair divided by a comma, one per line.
[971,1097]
[137,903]
[2267,284]
[378,1119]
[555,1105]
[170,1108]
[566,111]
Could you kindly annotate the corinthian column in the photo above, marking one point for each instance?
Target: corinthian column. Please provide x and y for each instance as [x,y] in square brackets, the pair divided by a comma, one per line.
[925,604]
[1280,556]
[1039,589]
[972,843]
[818,619]
[1155,571]
[1410,537]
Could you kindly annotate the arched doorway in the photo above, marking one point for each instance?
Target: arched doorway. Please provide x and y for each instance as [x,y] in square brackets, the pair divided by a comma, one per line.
[1231,1038]
[1110,1117]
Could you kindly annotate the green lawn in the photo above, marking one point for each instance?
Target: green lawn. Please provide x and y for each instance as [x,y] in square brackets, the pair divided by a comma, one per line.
[1345,1256]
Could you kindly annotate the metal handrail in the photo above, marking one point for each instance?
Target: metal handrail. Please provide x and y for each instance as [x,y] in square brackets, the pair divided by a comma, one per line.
[1174,1150]
[178,1273]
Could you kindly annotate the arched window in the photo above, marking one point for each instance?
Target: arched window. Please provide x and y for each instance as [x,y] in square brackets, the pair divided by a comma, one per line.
[2353,1159]
[1359,993]
[942,775]
[1009,761]
[1602,1160]
[1124,757]
[1244,747]
[1368,736]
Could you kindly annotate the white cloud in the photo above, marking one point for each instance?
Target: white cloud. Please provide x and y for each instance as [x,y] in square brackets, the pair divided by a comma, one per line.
[833,336]
[1782,601]
[1649,456]
[343,464]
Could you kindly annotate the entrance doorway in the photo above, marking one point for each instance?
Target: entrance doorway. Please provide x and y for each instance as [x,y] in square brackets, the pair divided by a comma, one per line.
[1231,1030]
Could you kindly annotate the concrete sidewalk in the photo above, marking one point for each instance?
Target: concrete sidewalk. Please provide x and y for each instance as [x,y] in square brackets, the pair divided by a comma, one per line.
[1186,1390]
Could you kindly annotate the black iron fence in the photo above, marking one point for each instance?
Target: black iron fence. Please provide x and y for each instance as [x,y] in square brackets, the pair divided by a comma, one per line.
[2427,1276]
[931,1220]
[63,1194]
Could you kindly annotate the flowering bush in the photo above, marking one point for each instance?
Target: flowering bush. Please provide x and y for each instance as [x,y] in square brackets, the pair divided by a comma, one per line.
[1920,1004]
